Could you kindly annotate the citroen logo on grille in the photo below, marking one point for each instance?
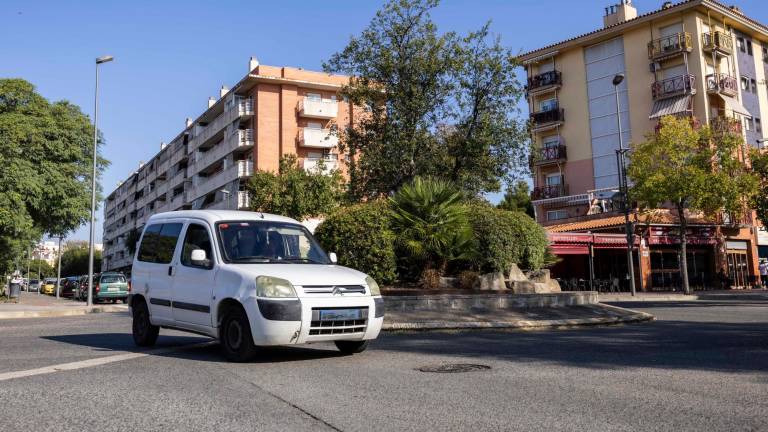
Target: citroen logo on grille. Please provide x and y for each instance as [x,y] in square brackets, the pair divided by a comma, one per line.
[337,291]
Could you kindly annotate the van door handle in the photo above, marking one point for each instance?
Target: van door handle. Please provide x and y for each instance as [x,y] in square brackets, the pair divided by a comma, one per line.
[170,270]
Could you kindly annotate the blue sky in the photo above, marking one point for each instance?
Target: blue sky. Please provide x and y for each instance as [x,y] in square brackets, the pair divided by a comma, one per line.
[170,56]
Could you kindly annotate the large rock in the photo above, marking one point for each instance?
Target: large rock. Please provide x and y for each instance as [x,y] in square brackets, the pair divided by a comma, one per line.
[541,276]
[491,282]
[529,287]
[448,283]
[515,274]
[554,286]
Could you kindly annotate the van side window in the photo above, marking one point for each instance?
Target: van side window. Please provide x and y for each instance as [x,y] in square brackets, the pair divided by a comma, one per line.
[196,238]
[166,242]
[149,243]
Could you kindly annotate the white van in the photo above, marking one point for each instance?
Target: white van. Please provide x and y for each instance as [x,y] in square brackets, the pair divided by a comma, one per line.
[248,279]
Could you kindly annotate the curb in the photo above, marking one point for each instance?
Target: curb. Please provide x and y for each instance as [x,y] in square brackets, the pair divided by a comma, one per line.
[54,313]
[634,317]
[683,297]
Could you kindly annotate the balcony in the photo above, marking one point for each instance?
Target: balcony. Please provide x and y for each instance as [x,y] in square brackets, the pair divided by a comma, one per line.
[233,109]
[546,192]
[243,200]
[205,185]
[544,82]
[317,138]
[318,108]
[314,165]
[549,155]
[725,125]
[670,46]
[545,119]
[675,86]
[718,42]
[176,202]
[723,84]
[239,138]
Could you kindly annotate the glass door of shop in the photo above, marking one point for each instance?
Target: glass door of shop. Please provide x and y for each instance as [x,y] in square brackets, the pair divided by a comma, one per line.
[738,269]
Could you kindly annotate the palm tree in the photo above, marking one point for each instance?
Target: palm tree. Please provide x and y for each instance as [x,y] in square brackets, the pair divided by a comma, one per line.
[431,222]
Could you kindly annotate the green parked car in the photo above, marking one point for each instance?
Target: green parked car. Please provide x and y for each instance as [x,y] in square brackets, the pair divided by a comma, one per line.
[110,286]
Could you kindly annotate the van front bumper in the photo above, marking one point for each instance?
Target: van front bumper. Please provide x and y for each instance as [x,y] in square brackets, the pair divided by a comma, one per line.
[295,321]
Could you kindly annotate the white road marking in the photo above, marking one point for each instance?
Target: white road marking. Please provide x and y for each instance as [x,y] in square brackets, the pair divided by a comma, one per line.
[96,361]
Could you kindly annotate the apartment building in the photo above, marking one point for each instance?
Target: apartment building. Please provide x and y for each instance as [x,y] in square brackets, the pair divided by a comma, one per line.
[270,112]
[699,59]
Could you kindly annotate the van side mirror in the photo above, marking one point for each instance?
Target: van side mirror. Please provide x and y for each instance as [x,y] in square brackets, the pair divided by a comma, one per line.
[332,257]
[198,257]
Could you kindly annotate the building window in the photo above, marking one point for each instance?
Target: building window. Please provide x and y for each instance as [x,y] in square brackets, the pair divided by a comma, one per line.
[744,84]
[551,141]
[748,124]
[548,104]
[754,85]
[554,179]
[740,44]
[758,125]
[749,47]
[556,214]
[765,54]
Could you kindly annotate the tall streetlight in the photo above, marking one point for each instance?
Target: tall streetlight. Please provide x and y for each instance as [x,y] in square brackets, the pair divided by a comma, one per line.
[621,158]
[100,60]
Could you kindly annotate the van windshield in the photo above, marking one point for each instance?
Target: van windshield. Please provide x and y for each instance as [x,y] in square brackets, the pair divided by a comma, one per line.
[269,242]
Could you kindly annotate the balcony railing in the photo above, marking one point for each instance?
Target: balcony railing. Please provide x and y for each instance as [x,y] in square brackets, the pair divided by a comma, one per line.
[725,125]
[243,200]
[675,86]
[717,41]
[318,108]
[669,46]
[722,83]
[735,219]
[545,192]
[313,165]
[235,139]
[233,109]
[544,80]
[317,138]
[555,115]
[551,154]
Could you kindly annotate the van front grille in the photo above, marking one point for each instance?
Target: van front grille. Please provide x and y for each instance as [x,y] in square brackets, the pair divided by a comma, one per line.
[337,326]
[329,289]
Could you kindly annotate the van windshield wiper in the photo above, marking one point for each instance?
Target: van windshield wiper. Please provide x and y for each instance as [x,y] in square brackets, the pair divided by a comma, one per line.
[254,258]
[297,259]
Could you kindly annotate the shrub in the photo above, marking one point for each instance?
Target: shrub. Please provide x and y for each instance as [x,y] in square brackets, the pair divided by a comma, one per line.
[430,279]
[362,237]
[467,279]
[503,237]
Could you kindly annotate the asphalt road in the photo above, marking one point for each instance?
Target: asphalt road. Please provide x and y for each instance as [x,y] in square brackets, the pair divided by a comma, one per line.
[702,366]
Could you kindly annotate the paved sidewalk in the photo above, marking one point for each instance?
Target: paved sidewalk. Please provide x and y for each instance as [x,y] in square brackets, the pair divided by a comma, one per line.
[33,305]
[677,296]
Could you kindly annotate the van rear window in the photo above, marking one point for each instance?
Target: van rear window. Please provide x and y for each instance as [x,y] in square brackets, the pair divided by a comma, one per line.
[113,279]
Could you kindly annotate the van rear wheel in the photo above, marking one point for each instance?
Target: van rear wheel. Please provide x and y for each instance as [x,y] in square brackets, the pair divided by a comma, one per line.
[236,338]
[144,333]
[351,347]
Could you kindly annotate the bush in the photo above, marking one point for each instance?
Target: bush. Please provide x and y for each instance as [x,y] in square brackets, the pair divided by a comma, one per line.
[504,237]
[362,237]
[467,279]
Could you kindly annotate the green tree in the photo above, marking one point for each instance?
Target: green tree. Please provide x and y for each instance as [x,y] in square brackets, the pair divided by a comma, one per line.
[517,198]
[45,270]
[437,104]
[759,162]
[431,223]
[693,170]
[45,152]
[295,192]
[74,260]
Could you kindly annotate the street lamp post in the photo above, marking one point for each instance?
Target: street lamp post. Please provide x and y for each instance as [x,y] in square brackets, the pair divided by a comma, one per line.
[58,272]
[621,163]
[100,60]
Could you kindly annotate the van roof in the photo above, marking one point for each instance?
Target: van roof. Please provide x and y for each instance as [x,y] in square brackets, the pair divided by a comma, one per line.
[213,216]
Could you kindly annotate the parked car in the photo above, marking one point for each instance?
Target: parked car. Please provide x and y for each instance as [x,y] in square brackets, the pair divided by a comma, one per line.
[68,287]
[111,286]
[82,288]
[248,279]
[49,286]
[34,285]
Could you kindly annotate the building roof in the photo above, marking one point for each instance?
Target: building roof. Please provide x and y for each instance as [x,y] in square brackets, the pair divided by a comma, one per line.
[652,217]
[685,4]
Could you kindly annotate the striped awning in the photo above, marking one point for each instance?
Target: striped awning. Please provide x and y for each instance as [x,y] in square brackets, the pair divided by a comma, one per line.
[735,106]
[670,106]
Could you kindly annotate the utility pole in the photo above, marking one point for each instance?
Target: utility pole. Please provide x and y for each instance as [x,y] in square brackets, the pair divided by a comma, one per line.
[58,272]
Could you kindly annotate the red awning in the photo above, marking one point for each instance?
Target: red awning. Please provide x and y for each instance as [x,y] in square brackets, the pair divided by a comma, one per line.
[570,249]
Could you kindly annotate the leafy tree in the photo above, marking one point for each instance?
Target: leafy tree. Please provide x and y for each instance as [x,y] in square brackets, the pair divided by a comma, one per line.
[517,198]
[74,260]
[431,223]
[693,170]
[295,192]
[131,239]
[45,270]
[759,162]
[45,152]
[437,104]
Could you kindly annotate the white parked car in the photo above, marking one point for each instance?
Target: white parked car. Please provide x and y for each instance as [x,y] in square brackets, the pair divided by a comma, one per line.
[248,279]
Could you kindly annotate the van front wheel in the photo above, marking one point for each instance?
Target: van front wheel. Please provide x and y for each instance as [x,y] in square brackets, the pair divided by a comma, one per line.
[351,347]
[144,333]
[236,338]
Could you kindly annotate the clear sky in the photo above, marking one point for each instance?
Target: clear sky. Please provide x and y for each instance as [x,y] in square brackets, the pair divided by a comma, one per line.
[170,56]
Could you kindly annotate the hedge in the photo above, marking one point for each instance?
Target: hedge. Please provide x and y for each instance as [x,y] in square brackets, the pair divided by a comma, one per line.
[362,237]
[504,237]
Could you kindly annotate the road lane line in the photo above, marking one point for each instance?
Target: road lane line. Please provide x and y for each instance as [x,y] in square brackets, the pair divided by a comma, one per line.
[99,361]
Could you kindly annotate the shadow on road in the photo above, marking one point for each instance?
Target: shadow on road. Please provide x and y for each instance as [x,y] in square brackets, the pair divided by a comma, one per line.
[106,342]
[733,347]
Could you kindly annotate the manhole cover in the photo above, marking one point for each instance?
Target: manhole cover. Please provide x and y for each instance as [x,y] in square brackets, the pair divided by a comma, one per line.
[454,368]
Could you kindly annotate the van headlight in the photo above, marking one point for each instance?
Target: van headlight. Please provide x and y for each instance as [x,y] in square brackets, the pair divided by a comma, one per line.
[268,286]
[373,286]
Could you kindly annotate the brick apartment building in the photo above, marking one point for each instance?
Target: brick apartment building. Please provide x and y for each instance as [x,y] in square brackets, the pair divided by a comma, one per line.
[696,58]
[271,112]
